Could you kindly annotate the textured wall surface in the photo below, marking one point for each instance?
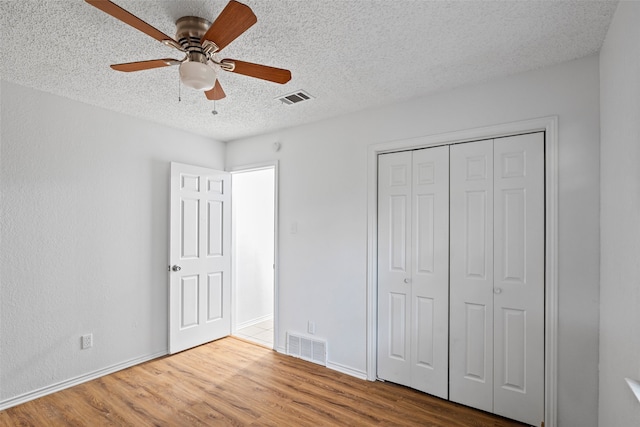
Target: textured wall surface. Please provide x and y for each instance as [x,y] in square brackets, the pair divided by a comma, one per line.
[84,226]
[323,189]
[620,226]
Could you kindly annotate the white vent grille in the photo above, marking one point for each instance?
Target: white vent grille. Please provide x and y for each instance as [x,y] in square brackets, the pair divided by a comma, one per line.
[305,348]
[295,97]
[294,345]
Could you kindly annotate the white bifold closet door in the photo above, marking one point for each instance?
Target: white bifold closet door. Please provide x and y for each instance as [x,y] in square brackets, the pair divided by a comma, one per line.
[497,276]
[413,269]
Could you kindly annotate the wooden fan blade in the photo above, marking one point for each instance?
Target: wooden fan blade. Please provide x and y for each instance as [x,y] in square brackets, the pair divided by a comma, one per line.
[128,18]
[235,19]
[272,74]
[145,65]
[216,93]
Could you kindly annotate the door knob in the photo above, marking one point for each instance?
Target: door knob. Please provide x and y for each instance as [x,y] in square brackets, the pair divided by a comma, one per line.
[497,290]
[176,268]
[407,280]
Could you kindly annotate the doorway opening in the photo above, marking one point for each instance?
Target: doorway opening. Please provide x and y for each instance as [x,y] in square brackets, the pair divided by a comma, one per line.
[253,235]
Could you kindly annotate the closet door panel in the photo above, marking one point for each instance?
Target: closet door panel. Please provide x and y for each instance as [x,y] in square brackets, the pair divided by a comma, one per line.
[471,270]
[430,271]
[519,277]
[394,267]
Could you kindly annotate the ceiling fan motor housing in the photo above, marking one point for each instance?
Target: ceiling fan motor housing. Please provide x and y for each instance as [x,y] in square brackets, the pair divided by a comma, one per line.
[189,32]
[194,71]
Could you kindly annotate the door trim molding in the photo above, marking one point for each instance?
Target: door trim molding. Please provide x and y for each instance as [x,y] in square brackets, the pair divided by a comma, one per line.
[550,126]
[276,257]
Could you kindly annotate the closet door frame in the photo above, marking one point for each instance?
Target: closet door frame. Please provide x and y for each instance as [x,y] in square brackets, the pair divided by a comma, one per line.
[549,125]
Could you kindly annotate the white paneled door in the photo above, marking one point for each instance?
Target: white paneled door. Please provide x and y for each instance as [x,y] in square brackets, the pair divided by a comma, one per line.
[518,388]
[461,273]
[471,289]
[394,267]
[413,264]
[497,276]
[200,262]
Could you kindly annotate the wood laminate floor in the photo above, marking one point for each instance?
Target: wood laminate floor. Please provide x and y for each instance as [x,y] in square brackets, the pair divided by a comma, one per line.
[235,383]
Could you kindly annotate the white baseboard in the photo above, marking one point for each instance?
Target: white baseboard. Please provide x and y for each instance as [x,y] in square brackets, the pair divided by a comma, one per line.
[26,397]
[347,370]
[254,321]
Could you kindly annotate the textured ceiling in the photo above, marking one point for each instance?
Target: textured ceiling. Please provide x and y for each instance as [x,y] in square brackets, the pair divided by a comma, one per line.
[350,55]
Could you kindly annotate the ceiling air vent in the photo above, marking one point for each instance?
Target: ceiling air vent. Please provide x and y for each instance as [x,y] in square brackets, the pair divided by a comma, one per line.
[295,97]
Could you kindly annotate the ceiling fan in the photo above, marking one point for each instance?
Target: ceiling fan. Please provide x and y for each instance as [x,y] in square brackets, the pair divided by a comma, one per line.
[200,41]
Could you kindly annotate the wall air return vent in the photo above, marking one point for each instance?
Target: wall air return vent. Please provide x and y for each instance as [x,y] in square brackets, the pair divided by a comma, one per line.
[305,348]
[295,97]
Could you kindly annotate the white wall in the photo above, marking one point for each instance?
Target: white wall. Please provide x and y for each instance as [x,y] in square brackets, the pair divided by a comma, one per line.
[620,219]
[323,188]
[84,247]
[253,225]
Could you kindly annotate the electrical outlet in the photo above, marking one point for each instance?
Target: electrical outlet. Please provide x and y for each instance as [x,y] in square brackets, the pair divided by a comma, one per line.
[87,341]
[311,327]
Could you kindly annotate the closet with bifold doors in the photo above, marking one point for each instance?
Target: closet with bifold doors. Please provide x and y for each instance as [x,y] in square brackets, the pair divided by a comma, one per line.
[461,273]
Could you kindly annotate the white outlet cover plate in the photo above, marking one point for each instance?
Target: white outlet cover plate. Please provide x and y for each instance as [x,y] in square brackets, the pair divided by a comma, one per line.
[87,341]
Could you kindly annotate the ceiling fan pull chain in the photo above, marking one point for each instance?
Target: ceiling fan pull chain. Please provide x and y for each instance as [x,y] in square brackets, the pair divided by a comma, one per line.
[179,88]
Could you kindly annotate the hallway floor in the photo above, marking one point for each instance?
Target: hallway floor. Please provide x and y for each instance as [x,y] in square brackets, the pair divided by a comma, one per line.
[260,333]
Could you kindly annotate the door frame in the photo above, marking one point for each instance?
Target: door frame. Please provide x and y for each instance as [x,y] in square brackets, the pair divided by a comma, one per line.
[549,125]
[276,257]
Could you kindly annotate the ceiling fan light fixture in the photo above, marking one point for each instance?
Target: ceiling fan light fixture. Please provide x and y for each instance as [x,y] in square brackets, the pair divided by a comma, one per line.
[197,75]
